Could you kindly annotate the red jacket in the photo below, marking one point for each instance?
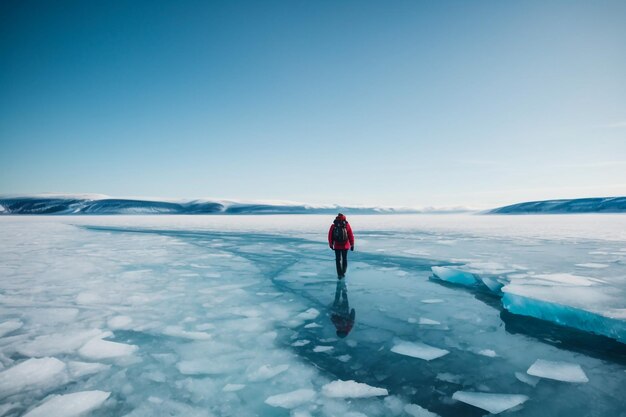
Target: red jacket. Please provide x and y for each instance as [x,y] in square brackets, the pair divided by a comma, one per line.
[337,245]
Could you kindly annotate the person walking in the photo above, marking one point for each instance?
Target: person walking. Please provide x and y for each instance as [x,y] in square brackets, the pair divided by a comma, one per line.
[340,239]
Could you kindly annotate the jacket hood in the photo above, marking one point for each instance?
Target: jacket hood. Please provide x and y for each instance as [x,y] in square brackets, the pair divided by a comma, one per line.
[340,217]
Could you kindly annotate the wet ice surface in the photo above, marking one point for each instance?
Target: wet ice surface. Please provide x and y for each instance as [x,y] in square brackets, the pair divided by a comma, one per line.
[218,316]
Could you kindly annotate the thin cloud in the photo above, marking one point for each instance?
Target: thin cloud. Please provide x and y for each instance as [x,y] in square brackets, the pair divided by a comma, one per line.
[616,125]
[600,164]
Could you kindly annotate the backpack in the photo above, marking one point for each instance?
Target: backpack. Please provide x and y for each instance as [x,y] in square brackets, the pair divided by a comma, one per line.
[340,233]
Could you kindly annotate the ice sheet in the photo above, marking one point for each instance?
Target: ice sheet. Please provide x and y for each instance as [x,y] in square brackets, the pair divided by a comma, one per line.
[222,312]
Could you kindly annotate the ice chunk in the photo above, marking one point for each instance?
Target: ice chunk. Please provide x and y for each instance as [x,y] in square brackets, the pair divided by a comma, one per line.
[233,387]
[33,373]
[432,301]
[452,275]
[494,285]
[104,349]
[318,349]
[10,326]
[550,304]
[592,265]
[351,389]
[344,358]
[78,369]
[266,372]
[415,410]
[559,371]
[418,350]
[310,314]
[527,379]
[428,322]
[291,399]
[488,352]
[205,366]
[312,326]
[177,331]
[301,342]
[494,403]
[448,377]
[70,405]
[54,344]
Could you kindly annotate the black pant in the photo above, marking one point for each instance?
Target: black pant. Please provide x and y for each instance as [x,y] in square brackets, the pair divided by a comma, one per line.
[341,259]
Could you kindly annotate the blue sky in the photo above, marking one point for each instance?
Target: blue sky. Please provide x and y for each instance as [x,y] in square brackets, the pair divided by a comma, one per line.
[416,103]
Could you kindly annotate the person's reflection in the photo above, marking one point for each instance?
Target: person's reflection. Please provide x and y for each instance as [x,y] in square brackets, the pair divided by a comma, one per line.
[341,315]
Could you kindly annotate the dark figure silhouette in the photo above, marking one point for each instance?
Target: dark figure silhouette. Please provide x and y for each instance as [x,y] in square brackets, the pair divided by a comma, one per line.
[342,316]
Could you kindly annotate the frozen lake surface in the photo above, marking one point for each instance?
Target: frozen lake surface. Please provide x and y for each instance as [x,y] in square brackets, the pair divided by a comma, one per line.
[244,316]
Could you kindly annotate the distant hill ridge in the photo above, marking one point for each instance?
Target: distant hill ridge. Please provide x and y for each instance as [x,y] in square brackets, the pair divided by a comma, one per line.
[103,205]
[577,205]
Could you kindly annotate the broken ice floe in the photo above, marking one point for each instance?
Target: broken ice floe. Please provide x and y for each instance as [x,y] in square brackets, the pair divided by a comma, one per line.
[35,373]
[494,403]
[291,399]
[233,387]
[10,326]
[527,379]
[319,349]
[455,276]
[418,350]
[103,349]
[559,371]
[351,389]
[266,372]
[310,314]
[415,410]
[70,405]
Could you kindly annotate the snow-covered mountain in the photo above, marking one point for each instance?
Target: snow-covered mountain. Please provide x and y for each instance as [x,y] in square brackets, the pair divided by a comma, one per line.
[99,204]
[578,205]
